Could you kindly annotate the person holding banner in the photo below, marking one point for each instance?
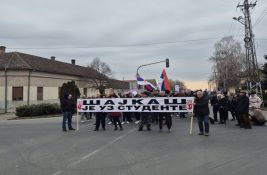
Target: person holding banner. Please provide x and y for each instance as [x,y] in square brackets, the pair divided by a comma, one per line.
[100,118]
[67,107]
[145,117]
[201,111]
[166,115]
[116,119]
[116,116]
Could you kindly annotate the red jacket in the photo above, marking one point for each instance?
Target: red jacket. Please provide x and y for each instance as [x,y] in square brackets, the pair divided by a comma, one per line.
[115,114]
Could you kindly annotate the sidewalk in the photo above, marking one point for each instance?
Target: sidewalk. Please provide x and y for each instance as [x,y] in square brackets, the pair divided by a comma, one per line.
[12,116]
[7,116]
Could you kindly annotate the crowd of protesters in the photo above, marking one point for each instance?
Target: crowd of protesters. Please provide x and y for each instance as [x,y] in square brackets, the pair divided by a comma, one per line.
[244,108]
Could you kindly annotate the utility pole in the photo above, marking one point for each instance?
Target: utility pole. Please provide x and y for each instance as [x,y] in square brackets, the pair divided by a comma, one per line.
[252,68]
[252,72]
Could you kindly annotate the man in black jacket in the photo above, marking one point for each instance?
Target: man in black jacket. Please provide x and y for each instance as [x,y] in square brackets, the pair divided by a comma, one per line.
[215,105]
[67,107]
[201,111]
[242,110]
[100,119]
[165,115]
[223,105]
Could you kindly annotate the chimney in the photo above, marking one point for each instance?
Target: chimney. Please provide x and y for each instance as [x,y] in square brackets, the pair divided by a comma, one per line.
[2,50]
[73,61]
[53,58]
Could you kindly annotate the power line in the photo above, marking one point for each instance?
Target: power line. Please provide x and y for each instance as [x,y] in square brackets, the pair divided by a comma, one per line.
[116,46]
[260,18]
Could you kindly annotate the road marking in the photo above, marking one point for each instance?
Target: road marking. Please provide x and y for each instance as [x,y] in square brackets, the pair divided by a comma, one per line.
[57,173]
[95,151]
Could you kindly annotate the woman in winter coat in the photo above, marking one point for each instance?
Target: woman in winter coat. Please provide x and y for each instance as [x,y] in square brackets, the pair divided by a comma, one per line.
[254,100]
[255,112]
[116,116]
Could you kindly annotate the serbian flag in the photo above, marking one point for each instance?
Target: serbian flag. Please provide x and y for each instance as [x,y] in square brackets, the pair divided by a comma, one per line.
[147,85]
[164,83]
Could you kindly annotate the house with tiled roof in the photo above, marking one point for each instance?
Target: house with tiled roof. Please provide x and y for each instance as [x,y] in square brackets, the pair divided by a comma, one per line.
[29,79]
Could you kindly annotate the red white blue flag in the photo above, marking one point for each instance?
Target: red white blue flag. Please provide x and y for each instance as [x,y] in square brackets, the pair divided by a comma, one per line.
[164,83]
[147,85]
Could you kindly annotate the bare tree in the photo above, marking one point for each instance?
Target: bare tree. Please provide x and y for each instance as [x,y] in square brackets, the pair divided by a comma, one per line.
[228,63]
[103,75]
[177,82]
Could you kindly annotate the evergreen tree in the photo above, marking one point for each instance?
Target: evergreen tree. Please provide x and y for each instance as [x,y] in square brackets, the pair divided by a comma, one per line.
[69,88]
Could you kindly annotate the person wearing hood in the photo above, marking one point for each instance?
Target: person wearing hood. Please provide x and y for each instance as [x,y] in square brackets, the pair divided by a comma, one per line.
[67,107]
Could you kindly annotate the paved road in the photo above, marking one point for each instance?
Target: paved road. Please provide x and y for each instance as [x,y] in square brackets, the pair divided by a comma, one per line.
[38,147]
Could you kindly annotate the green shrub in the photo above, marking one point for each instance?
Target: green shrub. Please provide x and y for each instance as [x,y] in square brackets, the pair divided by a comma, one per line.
[37,110]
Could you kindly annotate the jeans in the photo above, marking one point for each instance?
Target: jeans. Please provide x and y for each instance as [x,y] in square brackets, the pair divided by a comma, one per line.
[67,116]
[203,119]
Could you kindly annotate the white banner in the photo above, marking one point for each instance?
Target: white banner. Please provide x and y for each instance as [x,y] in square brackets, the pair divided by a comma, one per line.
[157,104]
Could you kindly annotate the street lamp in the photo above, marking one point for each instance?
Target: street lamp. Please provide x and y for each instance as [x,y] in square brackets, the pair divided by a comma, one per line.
[240,19]
[165,61]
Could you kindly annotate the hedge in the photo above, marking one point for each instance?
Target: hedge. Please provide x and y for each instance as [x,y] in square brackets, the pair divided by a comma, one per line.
[37,110]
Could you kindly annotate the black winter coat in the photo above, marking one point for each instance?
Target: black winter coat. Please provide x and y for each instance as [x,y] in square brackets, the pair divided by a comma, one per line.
[223,104]
[201,107]
[232,103]
[214,101]
[242,105]
[67,105]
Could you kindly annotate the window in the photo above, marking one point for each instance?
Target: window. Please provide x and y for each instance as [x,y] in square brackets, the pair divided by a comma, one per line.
[39,93]
[17,93]
[85,91]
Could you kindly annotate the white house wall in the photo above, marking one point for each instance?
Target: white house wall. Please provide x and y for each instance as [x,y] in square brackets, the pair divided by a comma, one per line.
[50,83]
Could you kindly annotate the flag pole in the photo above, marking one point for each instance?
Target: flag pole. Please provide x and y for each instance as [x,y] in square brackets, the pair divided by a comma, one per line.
[77,116]
[77,120]
[191,124]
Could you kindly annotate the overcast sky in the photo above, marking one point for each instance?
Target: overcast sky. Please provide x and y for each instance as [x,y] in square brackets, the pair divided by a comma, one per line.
[92,26]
